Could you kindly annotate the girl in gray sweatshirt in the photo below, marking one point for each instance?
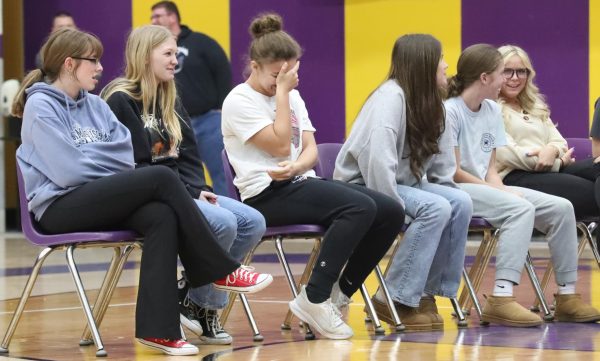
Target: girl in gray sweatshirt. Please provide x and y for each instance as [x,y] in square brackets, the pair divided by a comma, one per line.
[400,146]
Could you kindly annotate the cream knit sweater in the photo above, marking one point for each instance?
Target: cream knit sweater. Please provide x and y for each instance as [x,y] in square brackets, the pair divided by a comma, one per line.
[523,136]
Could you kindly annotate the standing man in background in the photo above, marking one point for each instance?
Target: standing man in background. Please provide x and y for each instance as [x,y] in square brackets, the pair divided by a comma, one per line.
[203,77]
[61,19]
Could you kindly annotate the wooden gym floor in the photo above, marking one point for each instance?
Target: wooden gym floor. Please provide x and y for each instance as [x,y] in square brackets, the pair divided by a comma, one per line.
[53,321]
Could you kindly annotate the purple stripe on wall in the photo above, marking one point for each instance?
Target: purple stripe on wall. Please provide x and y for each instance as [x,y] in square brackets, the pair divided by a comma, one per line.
[319,28]
[555,34]
[110,20]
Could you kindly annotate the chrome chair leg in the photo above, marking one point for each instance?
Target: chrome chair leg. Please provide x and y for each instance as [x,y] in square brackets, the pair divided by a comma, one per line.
[104,297]
[310,264]
[472,293]
[24,297]
[226,311]
[461,321]
[398,326]
[309,335]
[256,336]
[538,289]
[371,310]
[102,294]
[100,352]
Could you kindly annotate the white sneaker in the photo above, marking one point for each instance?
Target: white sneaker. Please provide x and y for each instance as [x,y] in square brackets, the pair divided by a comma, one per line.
[323,317]
[340,300]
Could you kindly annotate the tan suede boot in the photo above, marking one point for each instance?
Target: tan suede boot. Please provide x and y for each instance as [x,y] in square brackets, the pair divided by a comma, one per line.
[504,310]
[428,307]
[410,316]
[570,308]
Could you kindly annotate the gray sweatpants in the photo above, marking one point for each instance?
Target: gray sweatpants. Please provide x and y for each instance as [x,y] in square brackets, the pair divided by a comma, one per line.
[516,216]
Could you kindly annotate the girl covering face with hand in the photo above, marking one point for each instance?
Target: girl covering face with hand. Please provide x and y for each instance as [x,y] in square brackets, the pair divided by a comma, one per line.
[270,142]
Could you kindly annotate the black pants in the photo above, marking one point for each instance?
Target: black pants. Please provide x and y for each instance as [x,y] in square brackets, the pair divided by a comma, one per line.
[578,182]
[153,202]
[361,226]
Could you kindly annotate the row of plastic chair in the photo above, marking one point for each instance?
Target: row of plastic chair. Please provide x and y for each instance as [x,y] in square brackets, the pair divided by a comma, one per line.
[123,243]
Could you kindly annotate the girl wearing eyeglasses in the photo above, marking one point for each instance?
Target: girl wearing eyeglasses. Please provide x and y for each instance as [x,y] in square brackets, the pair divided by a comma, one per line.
[78,166]
[536,155]
[478,134]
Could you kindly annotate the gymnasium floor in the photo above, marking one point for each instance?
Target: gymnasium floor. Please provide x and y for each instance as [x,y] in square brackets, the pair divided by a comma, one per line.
[52,324]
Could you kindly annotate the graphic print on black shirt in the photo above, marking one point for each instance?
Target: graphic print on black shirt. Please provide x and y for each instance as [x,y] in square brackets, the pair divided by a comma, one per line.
[162,147]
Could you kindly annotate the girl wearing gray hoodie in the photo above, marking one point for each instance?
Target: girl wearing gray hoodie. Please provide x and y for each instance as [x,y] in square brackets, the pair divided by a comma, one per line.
[77,164]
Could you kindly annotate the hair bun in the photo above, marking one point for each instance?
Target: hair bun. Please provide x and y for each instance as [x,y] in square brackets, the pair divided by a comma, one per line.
[264,24]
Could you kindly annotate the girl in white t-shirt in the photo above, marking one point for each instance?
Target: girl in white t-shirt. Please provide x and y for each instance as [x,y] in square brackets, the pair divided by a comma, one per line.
[271,146]
[477,131]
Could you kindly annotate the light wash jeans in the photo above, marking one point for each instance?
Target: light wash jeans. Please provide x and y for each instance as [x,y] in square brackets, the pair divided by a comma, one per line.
[238,228]
[516,217]
[431,255]
[207,129]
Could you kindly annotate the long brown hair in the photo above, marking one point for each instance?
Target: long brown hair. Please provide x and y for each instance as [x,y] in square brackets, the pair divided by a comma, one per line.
[415,60]
[473,61]
[61,44]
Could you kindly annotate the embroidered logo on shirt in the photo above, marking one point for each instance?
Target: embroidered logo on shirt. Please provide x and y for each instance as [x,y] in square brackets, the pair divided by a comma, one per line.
[87,135]
[488,142]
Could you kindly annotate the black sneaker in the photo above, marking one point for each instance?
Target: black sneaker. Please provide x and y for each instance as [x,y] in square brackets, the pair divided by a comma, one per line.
[213,334]
[203,322]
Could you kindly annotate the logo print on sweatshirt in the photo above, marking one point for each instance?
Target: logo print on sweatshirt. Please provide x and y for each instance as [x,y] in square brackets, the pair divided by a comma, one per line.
[87,135]
[488,142]
[182,53]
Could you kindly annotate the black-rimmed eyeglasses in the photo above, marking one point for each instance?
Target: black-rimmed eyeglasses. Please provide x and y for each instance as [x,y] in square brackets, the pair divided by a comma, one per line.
[522,73]
[93,60]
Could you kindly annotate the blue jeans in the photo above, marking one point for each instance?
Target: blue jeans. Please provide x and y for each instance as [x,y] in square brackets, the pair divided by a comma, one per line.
[238,228]
[431,255]
[207,128]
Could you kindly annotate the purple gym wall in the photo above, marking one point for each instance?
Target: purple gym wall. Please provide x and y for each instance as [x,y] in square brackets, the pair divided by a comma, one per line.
[555,35]
[110,20]
[319,28]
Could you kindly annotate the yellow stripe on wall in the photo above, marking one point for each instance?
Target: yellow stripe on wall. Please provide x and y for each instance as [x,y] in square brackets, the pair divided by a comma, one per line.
[371,28]
[205,16]
[594,54]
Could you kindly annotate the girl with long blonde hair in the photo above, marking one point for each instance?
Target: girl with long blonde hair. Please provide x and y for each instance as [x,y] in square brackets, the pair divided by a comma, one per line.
[145,100]
[536,155]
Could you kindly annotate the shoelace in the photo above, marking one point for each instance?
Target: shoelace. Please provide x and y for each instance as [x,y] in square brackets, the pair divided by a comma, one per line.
[212,319]
[245,273]
[194,309]
[335,312]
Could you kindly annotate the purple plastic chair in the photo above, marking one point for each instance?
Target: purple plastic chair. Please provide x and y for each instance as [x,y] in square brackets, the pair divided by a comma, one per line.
[276,234]
[122,242]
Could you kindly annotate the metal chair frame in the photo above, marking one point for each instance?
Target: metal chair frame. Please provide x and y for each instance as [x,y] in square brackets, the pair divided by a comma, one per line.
[122,243]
